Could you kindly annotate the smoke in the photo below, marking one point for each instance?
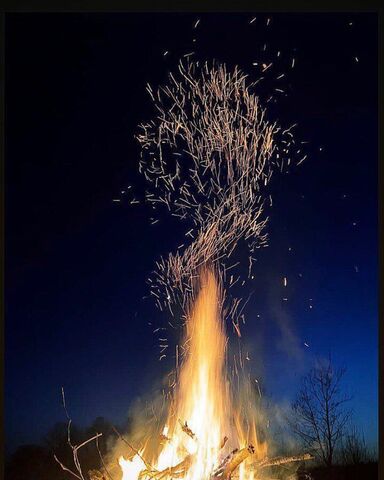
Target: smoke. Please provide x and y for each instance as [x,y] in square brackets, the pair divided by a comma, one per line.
[146,416]
[288,342]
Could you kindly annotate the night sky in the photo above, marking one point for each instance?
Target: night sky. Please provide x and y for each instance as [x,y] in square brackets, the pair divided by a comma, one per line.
[77,262]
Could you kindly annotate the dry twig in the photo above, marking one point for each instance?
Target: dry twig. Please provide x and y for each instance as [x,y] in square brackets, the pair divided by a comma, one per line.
[75,448]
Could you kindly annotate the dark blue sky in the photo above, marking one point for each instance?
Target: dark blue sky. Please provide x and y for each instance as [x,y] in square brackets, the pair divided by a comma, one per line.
[76,262]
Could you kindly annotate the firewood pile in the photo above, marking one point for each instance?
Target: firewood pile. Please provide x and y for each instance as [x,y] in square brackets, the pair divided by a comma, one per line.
[227,470]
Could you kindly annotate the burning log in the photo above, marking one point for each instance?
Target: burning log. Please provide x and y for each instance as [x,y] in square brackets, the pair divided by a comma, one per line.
[231,462]
[236,457]
[276,461]
[283,460]
[177,471]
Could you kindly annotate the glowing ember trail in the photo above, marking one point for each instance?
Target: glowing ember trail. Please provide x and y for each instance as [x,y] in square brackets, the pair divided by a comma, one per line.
[202,416]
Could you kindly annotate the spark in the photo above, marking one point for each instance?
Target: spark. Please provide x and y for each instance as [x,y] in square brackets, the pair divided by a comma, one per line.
[302,160]
[196,23]
[237,329]
[211,117]
[258,387]
[253,19]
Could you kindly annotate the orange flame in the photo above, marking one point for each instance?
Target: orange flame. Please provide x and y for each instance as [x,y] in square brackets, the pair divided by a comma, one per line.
[203,412]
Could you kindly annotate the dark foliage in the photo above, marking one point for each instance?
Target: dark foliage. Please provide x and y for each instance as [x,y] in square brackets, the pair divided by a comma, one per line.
[363,471]
[33,462]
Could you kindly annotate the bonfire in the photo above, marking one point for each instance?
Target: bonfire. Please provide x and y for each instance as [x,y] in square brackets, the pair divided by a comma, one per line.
[207,155]
[207,435]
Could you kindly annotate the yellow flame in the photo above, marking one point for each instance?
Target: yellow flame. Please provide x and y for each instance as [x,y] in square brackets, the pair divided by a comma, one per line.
[131,468]
[202,399]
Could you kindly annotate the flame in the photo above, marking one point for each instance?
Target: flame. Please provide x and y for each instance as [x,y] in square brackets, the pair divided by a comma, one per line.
[131,468]
[202,413]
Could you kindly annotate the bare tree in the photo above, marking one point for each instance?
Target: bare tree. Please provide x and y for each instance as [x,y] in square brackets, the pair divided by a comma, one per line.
[319,413]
